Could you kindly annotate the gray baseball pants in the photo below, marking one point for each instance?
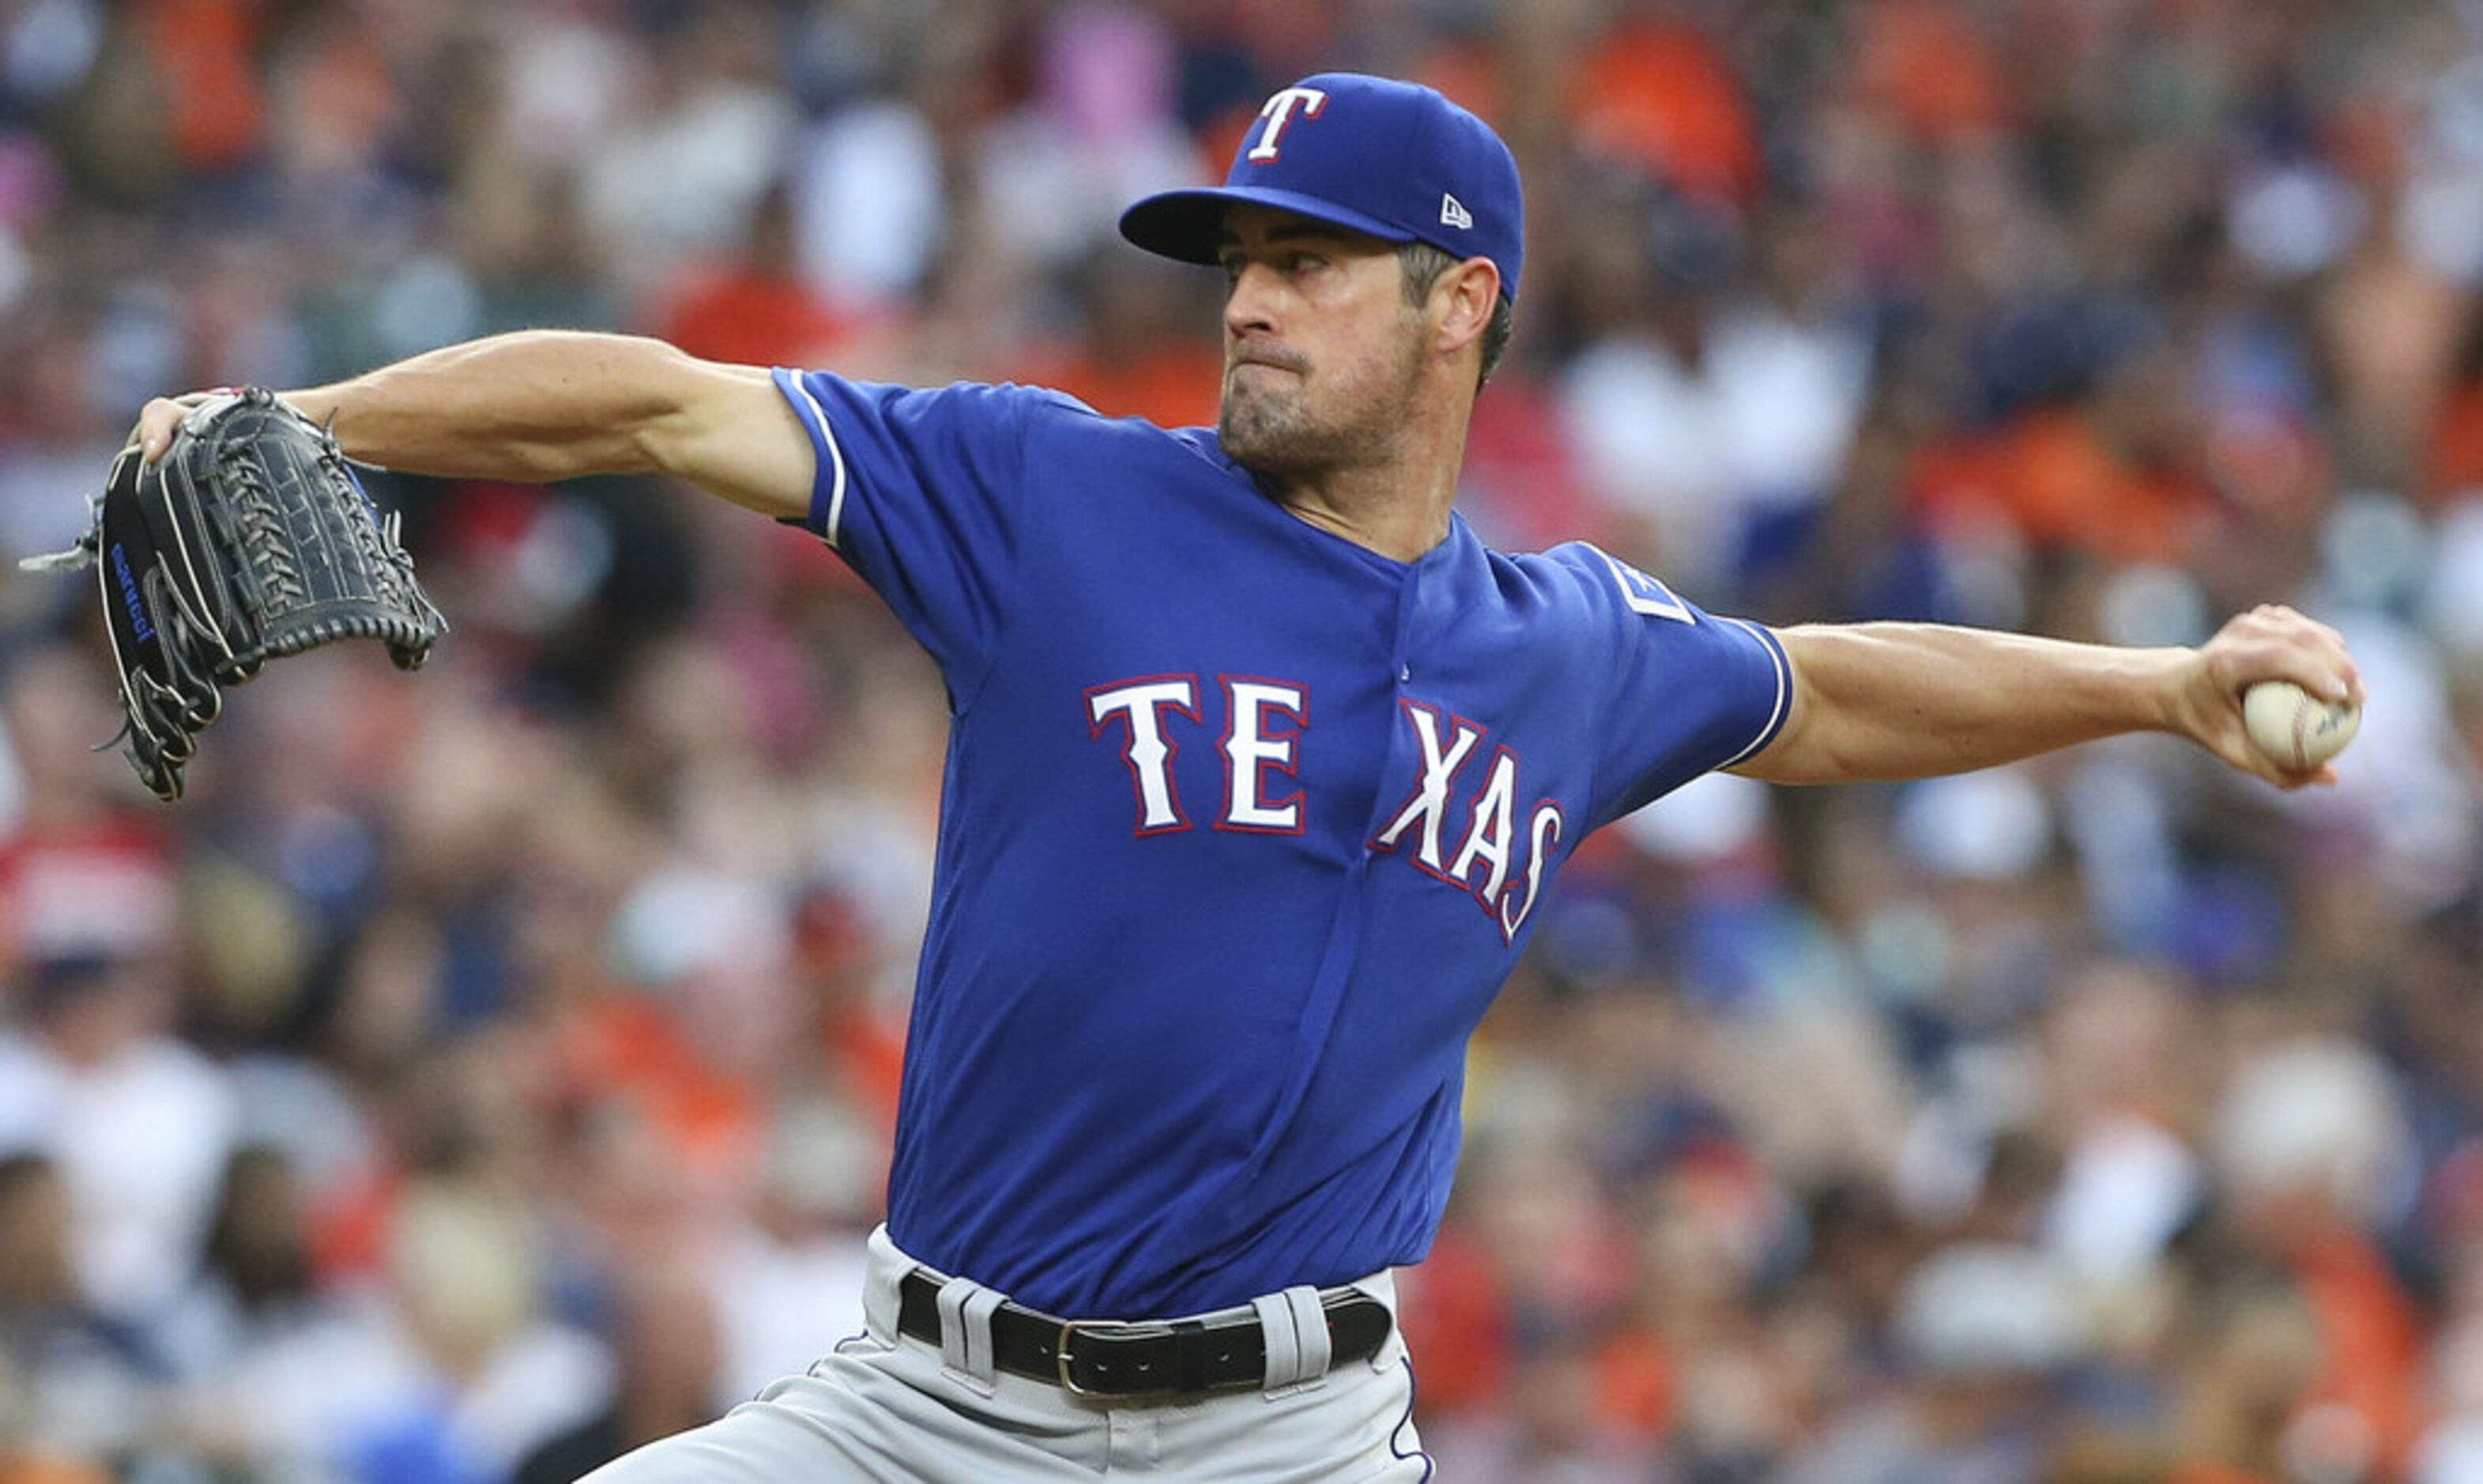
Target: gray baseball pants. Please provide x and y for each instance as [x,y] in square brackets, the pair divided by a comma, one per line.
[887,1407]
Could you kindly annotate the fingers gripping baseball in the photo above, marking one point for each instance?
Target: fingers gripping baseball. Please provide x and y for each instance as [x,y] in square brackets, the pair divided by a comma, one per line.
[2269,643]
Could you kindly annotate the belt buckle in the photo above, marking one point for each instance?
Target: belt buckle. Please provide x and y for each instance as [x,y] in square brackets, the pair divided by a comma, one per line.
[1060,1355]
[1123,1328]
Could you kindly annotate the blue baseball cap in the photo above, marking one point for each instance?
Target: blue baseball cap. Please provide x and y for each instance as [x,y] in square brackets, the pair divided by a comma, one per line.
[1392,159]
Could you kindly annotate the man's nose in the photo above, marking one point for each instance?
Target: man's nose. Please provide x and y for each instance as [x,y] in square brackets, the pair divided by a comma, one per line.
[1250,303]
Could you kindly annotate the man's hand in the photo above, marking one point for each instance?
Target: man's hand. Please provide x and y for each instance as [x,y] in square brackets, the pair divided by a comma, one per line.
[2268,643]
[159,419]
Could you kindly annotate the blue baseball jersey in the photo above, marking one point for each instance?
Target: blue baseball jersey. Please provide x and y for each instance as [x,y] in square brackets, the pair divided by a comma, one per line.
[1243,826]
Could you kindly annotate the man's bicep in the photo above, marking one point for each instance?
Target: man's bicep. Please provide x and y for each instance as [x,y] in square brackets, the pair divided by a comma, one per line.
[732,433]
[1847,702]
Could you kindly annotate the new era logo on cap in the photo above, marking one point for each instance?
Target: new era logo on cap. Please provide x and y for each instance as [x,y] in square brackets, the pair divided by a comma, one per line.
[1392,159]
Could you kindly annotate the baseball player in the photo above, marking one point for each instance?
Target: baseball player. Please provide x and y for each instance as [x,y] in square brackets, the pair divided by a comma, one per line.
[1261,766]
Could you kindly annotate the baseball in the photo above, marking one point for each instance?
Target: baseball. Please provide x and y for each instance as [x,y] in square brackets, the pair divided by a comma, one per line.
[2295,729]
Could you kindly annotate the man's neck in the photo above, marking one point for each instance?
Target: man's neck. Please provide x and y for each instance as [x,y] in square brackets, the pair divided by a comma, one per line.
[1398,507]
[1399,528]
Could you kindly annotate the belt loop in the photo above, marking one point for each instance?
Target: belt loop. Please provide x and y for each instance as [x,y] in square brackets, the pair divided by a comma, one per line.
[966,1309]
[1188,1355]
[1310,1331]
[883,1297]
[1283,1364]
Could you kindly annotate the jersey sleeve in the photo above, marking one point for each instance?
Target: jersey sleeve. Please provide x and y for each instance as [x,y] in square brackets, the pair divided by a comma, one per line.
[1691,692]
[921,492]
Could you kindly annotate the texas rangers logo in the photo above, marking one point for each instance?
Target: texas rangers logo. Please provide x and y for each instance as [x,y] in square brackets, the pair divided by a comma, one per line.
[1279,114]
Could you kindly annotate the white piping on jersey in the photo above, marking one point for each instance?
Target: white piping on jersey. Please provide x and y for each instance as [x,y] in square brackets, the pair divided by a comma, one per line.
[1784,691]
[818,419]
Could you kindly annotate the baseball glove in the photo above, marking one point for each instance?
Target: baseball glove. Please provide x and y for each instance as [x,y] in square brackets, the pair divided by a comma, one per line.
[249,540]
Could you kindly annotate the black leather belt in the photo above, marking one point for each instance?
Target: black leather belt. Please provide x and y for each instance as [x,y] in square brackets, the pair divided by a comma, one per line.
[1105,1358]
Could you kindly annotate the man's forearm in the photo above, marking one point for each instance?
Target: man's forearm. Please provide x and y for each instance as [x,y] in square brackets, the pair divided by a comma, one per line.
[545,405]
[1895,701]
[538,405]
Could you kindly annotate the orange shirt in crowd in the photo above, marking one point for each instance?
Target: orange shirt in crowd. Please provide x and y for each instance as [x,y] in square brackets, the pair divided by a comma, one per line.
[743,317]
[1457,1326]
[2372,1342]
[1634,1381]
[1172,384]
[1659,97]
[37,1469]
[1924,65]
[204,54]
[2053,479]
[2455,466]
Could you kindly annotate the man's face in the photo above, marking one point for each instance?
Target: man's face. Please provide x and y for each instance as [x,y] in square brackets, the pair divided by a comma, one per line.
[1322,352]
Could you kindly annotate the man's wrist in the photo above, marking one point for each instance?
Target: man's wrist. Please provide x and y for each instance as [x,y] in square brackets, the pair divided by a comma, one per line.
[2168,680]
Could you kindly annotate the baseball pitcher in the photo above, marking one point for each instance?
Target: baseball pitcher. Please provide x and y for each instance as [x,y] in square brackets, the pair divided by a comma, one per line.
[1260,770]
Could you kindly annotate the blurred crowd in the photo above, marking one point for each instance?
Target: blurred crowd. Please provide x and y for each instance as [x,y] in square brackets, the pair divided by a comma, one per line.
[480,1074]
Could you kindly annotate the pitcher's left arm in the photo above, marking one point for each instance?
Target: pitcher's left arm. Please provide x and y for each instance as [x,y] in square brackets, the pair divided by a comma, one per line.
[1902,700]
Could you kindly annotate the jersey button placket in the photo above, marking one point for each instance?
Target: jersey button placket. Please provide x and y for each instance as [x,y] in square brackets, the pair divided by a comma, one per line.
[1409,593]
[1401,650]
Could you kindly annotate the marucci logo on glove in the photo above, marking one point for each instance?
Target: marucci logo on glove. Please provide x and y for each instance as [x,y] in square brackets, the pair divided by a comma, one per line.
[137,606]
[250,539]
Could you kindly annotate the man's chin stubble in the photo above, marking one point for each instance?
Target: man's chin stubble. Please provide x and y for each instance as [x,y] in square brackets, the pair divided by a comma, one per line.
[1268,437]
[1253,436]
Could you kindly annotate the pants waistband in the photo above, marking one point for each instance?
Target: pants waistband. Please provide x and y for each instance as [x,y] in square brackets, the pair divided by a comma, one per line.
[1278,1342]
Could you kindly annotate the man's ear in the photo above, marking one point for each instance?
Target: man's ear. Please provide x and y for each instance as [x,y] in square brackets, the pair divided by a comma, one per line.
[1463,299]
